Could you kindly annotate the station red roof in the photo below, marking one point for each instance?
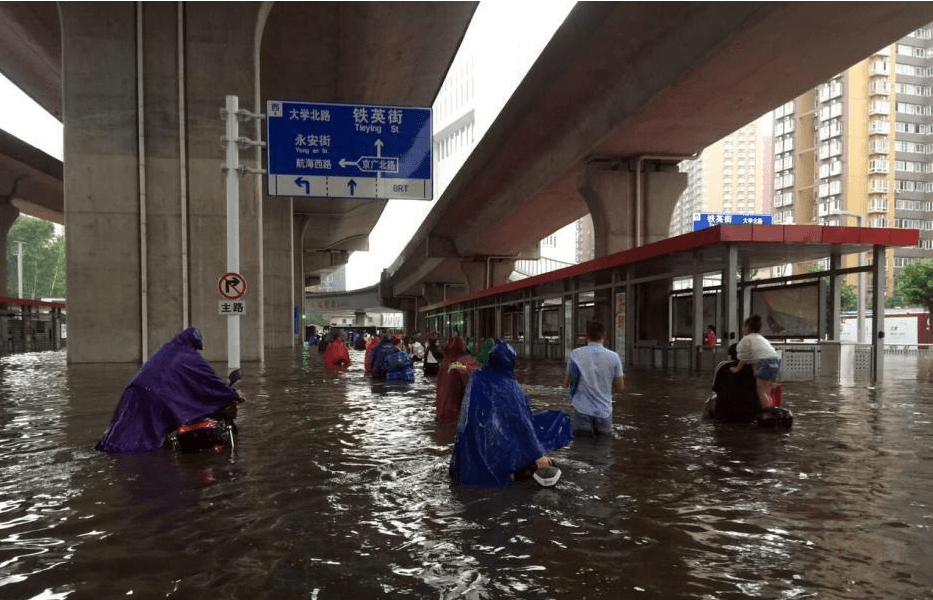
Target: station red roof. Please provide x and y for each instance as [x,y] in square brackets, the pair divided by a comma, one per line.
[759,246]
[9,300]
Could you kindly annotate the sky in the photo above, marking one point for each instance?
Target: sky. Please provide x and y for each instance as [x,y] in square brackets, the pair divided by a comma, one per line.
[497,28]
[21,116]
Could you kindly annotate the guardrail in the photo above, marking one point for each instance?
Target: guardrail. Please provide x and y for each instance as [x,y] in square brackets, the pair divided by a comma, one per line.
[908,348]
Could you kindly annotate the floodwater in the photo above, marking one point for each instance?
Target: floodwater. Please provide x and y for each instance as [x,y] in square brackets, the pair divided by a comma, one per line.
[338,488]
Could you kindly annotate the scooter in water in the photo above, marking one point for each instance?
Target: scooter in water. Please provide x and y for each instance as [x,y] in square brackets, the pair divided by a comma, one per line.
[213,433]
[734,400]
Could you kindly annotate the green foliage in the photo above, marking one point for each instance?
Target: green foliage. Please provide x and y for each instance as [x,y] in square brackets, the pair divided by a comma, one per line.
[915,284]
[43,259]
[848,297]
[897,300]
[315,319]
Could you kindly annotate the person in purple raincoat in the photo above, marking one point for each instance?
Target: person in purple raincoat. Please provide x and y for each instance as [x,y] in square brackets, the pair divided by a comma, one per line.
[176,386]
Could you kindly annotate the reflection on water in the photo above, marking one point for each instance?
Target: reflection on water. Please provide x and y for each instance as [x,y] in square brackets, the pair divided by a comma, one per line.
[338,488]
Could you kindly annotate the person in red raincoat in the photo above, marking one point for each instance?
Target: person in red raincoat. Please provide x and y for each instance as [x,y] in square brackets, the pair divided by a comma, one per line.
[452,377]
[336,355]
[374,341]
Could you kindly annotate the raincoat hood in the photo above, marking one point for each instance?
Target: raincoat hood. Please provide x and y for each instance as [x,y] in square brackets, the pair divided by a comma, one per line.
[190,337]
[502,356]
[456,346]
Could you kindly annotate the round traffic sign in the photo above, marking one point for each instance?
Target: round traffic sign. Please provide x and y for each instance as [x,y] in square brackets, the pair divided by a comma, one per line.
[231,286]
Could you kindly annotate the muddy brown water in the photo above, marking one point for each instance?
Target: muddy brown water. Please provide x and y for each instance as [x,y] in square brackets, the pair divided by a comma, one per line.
[338,488]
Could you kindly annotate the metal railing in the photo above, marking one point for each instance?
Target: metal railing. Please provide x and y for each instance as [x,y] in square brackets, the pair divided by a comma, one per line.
[529,268]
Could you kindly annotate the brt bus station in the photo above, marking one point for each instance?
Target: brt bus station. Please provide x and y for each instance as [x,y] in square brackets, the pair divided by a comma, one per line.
[653,324]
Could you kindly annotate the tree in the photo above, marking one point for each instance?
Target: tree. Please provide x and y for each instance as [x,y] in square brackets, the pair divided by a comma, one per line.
[848,298]
[897,300]
[915,283]
[43,259]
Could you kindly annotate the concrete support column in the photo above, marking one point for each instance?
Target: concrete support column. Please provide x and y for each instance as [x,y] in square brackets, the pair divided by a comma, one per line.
[56,333]
[410,314]
[698,325]
[654,322]
[730,334]
[142,97]
[835,297]
[877,319]
[527,323]
[481,273]
[608,188]
[746,294]
[298,231]
[434,293]
[8,216]
[630,304]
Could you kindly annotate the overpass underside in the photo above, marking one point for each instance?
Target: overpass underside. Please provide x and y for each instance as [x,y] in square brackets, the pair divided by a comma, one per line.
[140,85]
[632,293]
[143,86]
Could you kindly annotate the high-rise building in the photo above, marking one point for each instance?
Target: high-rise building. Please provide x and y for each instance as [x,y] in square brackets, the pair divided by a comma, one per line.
[482,77]
[859,144]
[727,178]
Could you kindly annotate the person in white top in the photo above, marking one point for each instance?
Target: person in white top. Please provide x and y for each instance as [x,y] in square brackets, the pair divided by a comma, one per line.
[417,350]
[593,373]
[754,349]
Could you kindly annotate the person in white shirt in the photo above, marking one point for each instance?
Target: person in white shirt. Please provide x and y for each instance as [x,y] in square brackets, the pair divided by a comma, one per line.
[417,349]
[754,349]
[593,373]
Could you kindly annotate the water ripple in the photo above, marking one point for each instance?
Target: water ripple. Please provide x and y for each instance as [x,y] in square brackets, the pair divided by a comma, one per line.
[339,488]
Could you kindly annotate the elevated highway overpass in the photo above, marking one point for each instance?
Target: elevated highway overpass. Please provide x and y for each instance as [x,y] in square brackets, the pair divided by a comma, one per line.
[139,87]
[621,93]
[597,126]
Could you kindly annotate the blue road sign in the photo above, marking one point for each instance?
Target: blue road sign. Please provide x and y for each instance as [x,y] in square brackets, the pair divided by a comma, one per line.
[349,150]
[704,220]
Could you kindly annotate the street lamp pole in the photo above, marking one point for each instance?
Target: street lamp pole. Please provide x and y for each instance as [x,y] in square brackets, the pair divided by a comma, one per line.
[860,322]
[19,266]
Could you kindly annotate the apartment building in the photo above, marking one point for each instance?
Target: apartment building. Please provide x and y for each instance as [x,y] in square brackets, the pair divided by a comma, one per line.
[860,144]
[728,177]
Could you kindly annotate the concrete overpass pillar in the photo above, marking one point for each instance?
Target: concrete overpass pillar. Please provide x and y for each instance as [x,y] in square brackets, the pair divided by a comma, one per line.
[144,192]
[8,216]
[434,293]
[609,190]
[481,273]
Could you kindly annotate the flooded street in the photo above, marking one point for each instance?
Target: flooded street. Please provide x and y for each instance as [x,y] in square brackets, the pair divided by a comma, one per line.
[338,488]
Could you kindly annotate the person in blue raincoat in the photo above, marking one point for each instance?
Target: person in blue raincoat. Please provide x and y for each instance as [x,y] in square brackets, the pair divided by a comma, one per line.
[176,386]
[497,434]
[388,346]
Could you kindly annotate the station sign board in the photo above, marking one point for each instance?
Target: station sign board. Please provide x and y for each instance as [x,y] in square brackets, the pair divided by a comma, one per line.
[704,220]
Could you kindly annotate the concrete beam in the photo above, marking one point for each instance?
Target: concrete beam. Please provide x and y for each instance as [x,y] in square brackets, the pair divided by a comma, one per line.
[426,268]
[620,79]
[31,41]
[316,262]
[610,190]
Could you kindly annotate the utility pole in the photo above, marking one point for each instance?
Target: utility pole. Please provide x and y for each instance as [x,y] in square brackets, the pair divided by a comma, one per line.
[233,143]
[860,318]
[19,266]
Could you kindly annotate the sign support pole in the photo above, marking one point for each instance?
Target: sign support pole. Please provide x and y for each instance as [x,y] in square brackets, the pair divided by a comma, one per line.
[233,222]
